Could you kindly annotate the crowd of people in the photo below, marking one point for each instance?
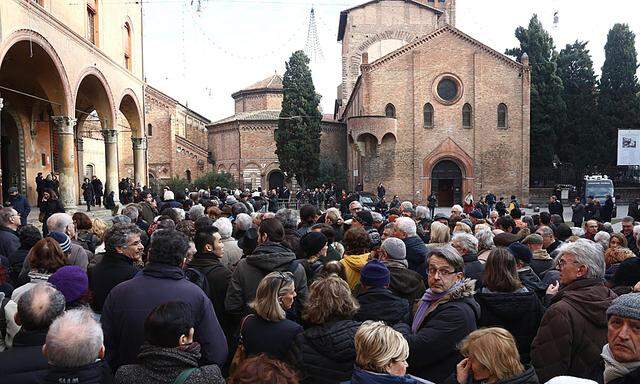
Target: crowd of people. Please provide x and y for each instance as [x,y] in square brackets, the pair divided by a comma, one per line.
[217,286]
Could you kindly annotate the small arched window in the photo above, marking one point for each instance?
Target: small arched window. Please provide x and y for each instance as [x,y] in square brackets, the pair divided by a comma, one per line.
[502,115]
[390,110]
[466,116]
[126,36]
[149,129]
[188,174]
[427,113]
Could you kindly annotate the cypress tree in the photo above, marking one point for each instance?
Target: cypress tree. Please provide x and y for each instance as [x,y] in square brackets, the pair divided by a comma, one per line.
[298,133]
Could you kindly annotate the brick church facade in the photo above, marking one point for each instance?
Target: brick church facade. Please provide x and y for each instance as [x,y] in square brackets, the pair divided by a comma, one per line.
[422,107]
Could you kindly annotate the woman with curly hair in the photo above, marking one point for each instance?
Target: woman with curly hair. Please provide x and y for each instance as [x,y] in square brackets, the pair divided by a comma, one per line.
[325,352]
[357,246]
[261,369]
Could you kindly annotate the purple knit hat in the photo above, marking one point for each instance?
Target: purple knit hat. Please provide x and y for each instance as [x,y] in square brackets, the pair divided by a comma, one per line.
[71,281]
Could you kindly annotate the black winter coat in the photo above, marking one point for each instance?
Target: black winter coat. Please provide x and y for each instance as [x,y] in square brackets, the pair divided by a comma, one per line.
[527,377]
[94,373]
[24,362]
[405,283]
[218,280]
[473,268]
[326,353]
[273,338]
[380,304]
[416,254]
[22,206]
[631,378]
[518,313]
[433,350]
[113,269]
[9,242]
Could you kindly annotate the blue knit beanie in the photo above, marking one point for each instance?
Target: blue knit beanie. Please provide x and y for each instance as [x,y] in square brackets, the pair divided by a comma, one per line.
[626,306]
[375,274]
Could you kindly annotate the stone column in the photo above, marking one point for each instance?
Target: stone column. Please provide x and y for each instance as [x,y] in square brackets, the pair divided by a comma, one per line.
[111,162]
[139,160]
[68,178]
[80,152]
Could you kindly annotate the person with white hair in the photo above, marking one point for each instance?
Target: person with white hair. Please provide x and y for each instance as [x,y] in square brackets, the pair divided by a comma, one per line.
[232,252]
[241,225]
[485,243]
[456,210]
[467,246]
[196,212]
[574,327]
[405,230]
[74,349]
[602,238]
[168,201]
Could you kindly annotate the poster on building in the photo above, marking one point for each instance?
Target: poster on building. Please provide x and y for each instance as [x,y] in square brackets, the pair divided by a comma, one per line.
[629,147]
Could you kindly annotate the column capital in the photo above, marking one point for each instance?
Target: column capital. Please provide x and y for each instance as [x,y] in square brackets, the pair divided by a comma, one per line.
[110,136]
[139,143]
[64,124]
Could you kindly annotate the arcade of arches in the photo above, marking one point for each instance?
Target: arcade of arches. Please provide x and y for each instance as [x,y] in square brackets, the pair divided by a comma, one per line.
[55,122]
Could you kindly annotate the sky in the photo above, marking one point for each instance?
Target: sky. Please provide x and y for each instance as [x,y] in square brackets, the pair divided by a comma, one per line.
[201,56]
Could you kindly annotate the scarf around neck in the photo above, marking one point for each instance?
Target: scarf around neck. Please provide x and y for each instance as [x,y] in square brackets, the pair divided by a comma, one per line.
[427,299]
[614,369]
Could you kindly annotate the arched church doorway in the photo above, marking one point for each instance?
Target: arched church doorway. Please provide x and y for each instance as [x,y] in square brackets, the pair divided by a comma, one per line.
[10,154]
[276,179]
[446,183]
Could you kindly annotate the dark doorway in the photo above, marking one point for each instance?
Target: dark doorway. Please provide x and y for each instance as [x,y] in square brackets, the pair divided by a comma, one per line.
[9,154]
[276,180]
[446,183]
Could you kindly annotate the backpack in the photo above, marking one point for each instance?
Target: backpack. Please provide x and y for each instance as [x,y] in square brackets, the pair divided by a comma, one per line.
[199,277]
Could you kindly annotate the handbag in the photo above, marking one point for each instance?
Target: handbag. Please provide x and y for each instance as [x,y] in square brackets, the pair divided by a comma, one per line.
[241,353]
[184,375]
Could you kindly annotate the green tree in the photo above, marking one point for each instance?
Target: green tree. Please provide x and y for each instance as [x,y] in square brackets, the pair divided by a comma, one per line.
[618,101]
[177,185]
[580,128]
[298,133]
[331,171]
[547,107]
[214,179]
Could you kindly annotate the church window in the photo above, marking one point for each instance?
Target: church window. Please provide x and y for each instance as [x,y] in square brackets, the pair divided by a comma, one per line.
[466,116]
[149,130]
[502,115]
[126,36]
[447,89]
[92,21]
[390,110]
[428,115]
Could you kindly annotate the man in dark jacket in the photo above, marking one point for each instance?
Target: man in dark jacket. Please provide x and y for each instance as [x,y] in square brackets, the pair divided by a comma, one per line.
[622,353]
[37,309]
[555,206]
[9,240]
[627,231]
[269,256]
[123,251]
[377,302]
[404,282]
[162,280]
[445,315]
[574,328]
[20,204]
[527,276]
[405,230]
[98,189]
[467,247]
[74,350]
[577,217]
[207,260]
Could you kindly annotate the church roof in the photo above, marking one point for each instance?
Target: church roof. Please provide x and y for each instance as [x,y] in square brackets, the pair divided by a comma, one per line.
[343,15]
[272,83]
[263,115]
[426,38]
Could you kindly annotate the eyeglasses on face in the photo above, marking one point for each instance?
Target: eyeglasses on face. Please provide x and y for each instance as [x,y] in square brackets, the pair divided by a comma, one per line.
[443,272]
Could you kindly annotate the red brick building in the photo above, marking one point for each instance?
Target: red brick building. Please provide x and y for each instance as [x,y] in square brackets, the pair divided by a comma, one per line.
[176,137]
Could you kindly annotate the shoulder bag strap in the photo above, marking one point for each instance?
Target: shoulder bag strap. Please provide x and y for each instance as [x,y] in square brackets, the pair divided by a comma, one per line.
[242,327]
[184,375]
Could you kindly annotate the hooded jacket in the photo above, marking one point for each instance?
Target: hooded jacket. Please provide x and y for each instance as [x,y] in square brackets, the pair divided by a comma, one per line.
[405,283]
[518,313]
[380,304]
[128,305]
[352,265]
[433,351]
[573,332]
[267,258]
[326,353]
[360,376]
[163,365]
[113,269]
[541,261]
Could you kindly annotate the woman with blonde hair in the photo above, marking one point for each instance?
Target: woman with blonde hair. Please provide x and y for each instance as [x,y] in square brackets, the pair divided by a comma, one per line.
[325,352]
[269,331]
[439,236]
[381,356]
[491,356]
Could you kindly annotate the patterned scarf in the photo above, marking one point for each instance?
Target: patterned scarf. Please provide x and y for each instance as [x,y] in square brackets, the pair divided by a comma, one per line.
[614,369]
[427,299]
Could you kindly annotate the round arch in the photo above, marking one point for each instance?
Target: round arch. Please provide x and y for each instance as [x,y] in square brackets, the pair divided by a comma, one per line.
[92,92]
[63,97]
[130,107]
[275,179]
[448,150]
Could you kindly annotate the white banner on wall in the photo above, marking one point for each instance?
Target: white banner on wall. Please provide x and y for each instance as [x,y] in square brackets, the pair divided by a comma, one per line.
[629,147]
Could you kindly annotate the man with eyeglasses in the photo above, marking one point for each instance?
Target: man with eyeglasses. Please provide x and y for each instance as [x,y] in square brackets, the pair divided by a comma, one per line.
[446,314]
[9,241]
[574,328]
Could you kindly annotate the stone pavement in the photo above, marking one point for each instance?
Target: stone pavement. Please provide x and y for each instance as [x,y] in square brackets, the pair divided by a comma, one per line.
[99,212]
